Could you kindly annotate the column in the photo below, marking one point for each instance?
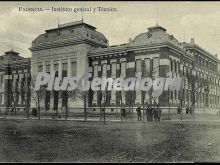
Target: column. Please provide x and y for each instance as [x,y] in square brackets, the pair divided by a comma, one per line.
[156,71]
[113,75]
[51,94]
[123,74]
[147,71]
[14,86]
[138,99]
[2,82]
[3,98]
[69,69]
[3,90]
[130,72]
[95,74]
[177,73]
[104,75]
[51,66]
[21,76]
[60,68]
[164,68]
[174,73]
[44,66]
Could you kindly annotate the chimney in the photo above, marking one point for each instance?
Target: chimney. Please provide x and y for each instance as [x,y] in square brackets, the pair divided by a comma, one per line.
[192,41]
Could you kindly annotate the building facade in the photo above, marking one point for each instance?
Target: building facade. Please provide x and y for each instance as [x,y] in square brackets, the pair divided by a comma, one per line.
[75,48]
[15,74]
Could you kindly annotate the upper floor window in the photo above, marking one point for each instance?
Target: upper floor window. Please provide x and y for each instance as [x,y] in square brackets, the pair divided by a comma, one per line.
[1,80]
[47,68]
[40,68]
[64,66]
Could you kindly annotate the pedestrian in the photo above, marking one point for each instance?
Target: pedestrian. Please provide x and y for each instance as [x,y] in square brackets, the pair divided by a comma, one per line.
[155,115]
[147,111]
[158,112]
[138,113]
[151,113]
[123,113]
[190,110]
[187,110]
[178,110]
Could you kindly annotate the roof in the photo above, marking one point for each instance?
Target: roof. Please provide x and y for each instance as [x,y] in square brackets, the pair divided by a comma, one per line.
[157,27]
[195,46]
[155,34]
[11,52]
[70,25]
[69,34]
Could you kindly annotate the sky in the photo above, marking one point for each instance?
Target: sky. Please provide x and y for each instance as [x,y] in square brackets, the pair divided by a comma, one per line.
[198,20]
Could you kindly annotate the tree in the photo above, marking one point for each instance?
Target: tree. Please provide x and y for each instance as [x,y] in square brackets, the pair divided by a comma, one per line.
[16,89]
[83,95]
[15,92]
[196,85]
[67,95]
[37,96]
[151,73]
[27,95]
[130,101]
[12,94]
[103,96]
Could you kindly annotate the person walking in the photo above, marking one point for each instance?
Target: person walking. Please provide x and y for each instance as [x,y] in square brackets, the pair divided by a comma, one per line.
[123,113]
[190,110]
[148,112]
[151,113]
[155,114]
[138,113]
[187,110]
[158,112]
[178,110]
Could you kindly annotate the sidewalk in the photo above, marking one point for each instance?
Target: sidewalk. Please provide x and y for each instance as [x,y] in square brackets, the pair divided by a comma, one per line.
[134,120]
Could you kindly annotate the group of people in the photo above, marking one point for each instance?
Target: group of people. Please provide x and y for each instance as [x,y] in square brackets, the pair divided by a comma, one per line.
[152,112]
[188,110]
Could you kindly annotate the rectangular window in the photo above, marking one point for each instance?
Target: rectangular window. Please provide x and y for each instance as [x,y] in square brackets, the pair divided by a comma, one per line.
[64,67]
[171,65]
[1,80]
[114,65]
[95,72]
[147,66]
[40,68]
[104,70]
[56,67]
[74,69]
[138,65]
[123,69]
[48,68]
[155,67]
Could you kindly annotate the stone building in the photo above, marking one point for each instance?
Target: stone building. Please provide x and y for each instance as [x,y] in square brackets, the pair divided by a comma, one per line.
[14,80]
[65,50]
[74,48]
